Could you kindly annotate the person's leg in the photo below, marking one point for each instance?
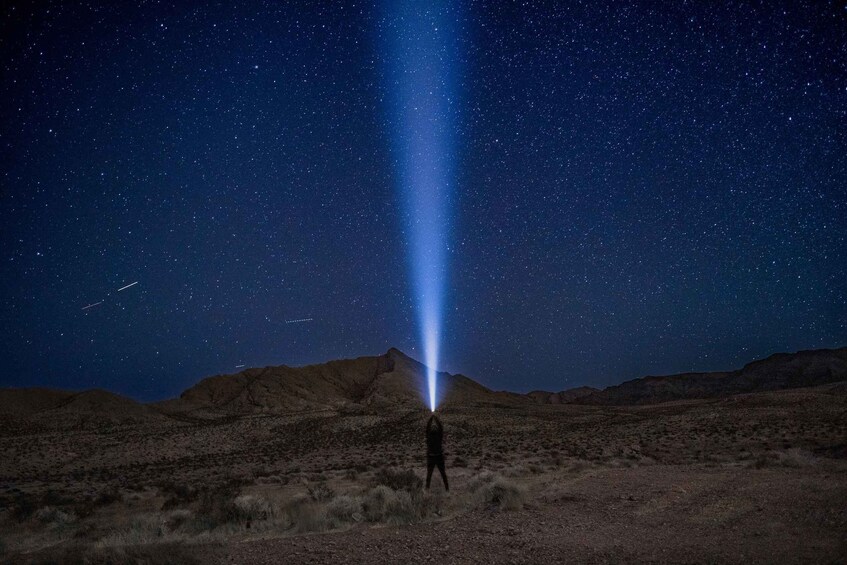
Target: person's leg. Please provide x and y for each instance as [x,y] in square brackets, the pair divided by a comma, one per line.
[443,472]
[430,465]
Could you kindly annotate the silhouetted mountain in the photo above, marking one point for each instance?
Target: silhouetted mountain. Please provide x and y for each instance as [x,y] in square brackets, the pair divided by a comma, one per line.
[563,397]
[64,408]
[394,380]
[779,371]
[391,380]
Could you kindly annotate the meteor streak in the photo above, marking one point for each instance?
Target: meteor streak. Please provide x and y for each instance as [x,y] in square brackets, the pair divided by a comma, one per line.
[298,321]
[127,286]
[92,305]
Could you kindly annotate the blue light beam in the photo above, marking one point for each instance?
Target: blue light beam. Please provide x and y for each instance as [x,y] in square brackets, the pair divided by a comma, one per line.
[420,46]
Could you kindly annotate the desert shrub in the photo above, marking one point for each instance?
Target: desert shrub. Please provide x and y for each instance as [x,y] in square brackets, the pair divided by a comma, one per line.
[761,461]
[177,495]
[23,506]
[217,506]
[516,471]
[320,492]
[792,458]
[108,496]
[459,462]
[344,509]
[53,516]
[85,507]
[495,491]
[271,479]
[260,471]
[53,498]
[382,504]
[578,466]
[251,507]
[143,529]
[795,458]
[175,520]
[156,554]
[398,480]
[305,515]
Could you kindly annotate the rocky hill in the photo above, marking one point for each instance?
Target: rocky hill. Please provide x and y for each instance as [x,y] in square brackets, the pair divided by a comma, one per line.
[563,397]
[392,380]
[43,407]
[779,371]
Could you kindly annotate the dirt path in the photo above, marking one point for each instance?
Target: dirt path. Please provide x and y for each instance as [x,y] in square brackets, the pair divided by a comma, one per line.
[650,514]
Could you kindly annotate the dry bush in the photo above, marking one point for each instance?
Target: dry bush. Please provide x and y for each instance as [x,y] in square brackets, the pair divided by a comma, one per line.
[23,506]
[383,504]
[142,530]
[792,458]
[271,479]
[304,514]
[52,516]
[320,492]
[108,496]
[175,520]
[177,495]
[516,471]
[398,480]
[217,506]
[578,466]
[344,509]
[250,507]
[488,489]
[157,554]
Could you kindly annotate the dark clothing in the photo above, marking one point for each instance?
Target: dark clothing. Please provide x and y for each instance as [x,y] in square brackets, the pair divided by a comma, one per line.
[433,441]
[434,453]
[431,462]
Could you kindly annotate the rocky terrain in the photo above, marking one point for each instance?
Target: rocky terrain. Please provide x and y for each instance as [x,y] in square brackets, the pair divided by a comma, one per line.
[777,372]
[248,468]
[562,397]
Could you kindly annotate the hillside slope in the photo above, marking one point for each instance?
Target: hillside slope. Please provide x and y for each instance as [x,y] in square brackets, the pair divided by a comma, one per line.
[777,372]
[392,380]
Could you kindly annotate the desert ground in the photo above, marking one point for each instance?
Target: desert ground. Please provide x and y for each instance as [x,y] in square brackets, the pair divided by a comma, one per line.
[756,478]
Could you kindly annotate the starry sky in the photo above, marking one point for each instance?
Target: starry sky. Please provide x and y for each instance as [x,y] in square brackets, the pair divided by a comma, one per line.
[639,188]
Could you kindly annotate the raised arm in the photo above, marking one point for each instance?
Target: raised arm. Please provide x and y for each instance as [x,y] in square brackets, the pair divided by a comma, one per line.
[438,425]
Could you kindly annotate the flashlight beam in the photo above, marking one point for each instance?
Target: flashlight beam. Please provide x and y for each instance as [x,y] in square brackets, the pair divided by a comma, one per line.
[421,42]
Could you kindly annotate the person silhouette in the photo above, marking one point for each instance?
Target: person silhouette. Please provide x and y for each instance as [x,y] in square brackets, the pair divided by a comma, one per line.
[434,454]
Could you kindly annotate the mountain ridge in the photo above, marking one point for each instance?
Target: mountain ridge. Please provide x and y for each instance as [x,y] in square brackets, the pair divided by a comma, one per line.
[393,380]
[779,371]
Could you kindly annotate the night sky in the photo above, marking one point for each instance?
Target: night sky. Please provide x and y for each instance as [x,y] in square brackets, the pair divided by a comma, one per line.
[638,188]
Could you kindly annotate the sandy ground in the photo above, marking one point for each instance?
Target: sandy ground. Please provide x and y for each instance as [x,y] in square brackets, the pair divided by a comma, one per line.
[757,478]
[654,514]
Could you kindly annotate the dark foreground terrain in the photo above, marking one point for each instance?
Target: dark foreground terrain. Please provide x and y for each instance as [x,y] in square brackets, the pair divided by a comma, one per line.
[749,478]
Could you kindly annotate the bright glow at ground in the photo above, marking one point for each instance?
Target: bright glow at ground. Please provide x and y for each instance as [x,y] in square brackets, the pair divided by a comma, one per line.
[431,357]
